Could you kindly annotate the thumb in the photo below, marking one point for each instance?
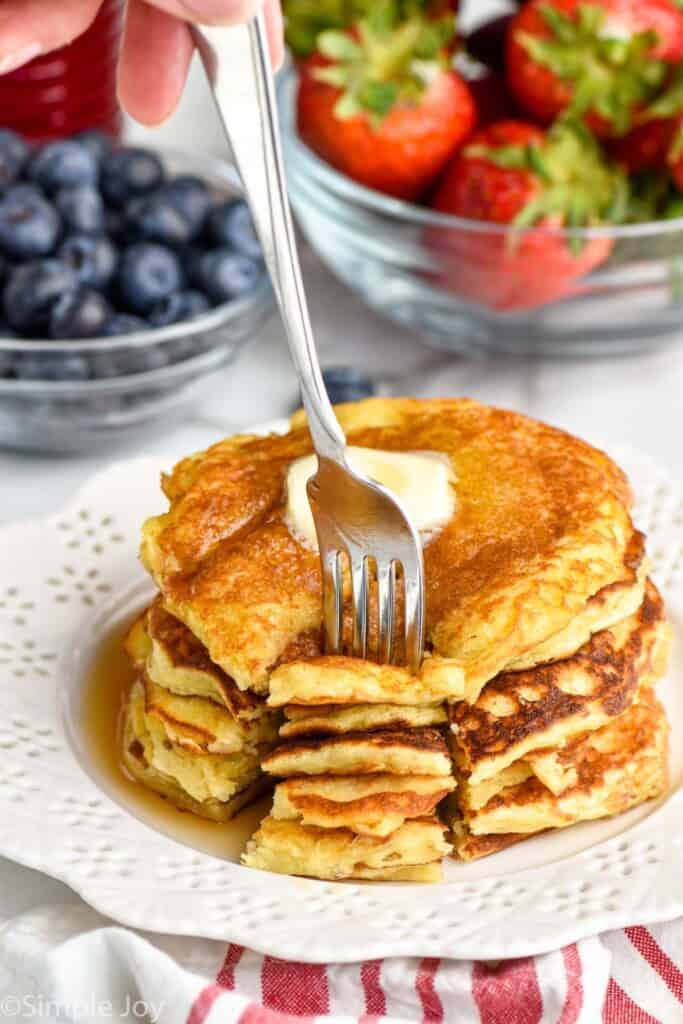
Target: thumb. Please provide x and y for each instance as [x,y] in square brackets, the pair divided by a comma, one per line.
[210,12]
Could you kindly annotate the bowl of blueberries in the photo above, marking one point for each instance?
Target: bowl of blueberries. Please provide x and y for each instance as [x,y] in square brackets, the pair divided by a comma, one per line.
[127,276]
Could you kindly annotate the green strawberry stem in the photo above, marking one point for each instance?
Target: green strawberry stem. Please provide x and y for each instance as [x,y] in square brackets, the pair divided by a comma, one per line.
[385,62]
[610,75]
[577,185]
[305,20]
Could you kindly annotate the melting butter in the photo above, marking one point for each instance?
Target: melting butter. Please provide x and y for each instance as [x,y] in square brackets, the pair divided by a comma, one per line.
[424,482]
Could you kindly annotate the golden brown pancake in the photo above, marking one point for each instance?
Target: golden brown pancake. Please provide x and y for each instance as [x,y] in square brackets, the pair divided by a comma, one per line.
[618,767]
[543,707]
[211,786]
[173,658]
[392,752]
[331,719]
[335,679]
[541,525]
[411,853]
[374,805]
[201,726]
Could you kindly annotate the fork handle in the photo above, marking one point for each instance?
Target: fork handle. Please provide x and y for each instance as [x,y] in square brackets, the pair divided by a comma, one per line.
[238,67]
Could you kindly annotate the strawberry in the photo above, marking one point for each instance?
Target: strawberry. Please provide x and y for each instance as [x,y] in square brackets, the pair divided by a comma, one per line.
[656,143]
[603,59]
[515,174]
[383,106]
[306,19]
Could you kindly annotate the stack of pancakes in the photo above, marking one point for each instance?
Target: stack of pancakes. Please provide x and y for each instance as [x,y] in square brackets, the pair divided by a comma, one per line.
[544,637]
[189,733]
[362,775]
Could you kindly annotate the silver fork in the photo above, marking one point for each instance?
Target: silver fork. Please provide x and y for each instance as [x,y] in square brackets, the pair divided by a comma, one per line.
[354,516]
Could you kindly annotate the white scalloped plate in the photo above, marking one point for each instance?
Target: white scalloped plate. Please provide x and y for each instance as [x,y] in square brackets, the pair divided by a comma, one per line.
[67,579]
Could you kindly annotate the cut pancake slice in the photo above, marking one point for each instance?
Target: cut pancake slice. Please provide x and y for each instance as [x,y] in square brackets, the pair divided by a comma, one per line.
[335,679]
[542,708]
[213,786]
[393,752]
[337,718]
[369,805]
[618,767]
[200,725]
[412,853]
[174,658]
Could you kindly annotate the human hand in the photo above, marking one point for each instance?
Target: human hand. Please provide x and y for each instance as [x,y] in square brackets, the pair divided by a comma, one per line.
[157,43]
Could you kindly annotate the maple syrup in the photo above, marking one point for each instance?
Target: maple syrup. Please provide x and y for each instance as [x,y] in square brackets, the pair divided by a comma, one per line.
[107,685]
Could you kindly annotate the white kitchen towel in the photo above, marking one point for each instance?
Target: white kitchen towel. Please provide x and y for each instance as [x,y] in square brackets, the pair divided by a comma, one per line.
[69,965]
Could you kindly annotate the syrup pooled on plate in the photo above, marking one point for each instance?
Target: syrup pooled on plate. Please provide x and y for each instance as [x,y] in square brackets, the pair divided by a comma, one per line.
[108,682]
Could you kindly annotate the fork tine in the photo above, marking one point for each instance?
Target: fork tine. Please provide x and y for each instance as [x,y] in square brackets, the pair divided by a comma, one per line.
[333,600]
[386,596]
[413,584]
[361,600]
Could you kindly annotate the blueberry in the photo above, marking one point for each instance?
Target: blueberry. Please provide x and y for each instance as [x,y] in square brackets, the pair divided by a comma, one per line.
[223,274]
[29,224]
[191,197]
[32,291]
[62,163]
[230,225]
[147,274]
[178,306]
[82,209]
[81,313]
[130,172]
[93,258]
[344,384]
[115,225]
[13,154]
[50,367]
[99,144]
[196,303]
[123,323]
[154,219]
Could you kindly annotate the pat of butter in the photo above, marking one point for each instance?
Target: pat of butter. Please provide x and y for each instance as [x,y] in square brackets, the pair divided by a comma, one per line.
[423,481]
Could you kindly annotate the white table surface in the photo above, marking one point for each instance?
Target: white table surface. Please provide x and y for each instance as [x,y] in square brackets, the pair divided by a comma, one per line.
[630,401]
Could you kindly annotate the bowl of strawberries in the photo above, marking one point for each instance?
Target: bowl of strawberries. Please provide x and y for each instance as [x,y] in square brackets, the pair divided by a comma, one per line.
[515,188]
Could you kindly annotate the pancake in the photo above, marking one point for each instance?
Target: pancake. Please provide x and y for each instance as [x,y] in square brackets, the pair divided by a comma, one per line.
[334,679]
[412,853]
[541,525]
[201,726]
[617,767]
[373,805]
[543,707]
[173,658]
[393,752]
[611,604]
[331,719]
[196,784]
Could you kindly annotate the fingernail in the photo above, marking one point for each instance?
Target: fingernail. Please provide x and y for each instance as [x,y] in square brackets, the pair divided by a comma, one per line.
[12,61]
[221,11]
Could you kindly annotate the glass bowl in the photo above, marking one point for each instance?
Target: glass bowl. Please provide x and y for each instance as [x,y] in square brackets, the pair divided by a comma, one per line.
[469,286]
[99,407]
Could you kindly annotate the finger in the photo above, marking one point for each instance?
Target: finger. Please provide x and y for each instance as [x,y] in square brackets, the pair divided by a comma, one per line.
[276,31]
[31,27]
[210,12]
[155,58]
